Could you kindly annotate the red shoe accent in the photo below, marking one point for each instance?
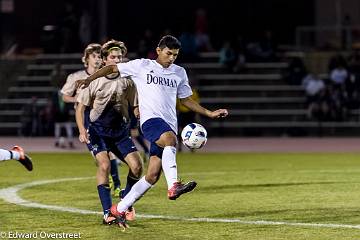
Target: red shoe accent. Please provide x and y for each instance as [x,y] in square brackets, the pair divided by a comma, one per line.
[20,150]
[120,216]
[114,210]
[178,189]
[24,159]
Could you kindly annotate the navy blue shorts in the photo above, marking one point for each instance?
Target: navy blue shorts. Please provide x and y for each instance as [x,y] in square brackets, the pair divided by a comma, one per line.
[152,130]
[102,140]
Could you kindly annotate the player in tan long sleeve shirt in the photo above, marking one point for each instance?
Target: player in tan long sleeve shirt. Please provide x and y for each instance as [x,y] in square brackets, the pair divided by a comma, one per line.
[92,61]
[109,99]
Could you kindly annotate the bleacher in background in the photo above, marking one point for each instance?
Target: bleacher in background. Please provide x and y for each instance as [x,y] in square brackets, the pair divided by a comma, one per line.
[260,101]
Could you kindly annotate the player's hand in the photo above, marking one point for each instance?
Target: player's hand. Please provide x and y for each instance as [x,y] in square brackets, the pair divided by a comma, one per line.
[82,83]
[84,137]
[220,113]
[137,112]
[134,132]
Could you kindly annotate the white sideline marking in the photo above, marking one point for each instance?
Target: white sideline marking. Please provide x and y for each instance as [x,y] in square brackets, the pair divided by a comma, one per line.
[269,170]
[10,195]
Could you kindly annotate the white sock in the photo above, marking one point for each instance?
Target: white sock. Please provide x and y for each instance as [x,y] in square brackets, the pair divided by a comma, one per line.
[169,167]
[136,192]
[6,155]
[16,155]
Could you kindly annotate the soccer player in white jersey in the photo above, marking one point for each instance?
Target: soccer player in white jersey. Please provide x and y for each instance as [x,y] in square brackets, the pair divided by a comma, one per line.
[110,98]
[159,83]
[16,153]
[92,61]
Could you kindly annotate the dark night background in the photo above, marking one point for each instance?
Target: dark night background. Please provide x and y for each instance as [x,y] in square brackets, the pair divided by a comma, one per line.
[127,20]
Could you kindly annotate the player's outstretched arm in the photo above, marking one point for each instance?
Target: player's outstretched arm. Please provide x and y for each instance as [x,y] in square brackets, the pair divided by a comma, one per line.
[79,116]
[68,99]
[102,72]
[196,107]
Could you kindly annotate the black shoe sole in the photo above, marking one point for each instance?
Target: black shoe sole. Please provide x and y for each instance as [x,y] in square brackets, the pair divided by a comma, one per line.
[27,163]
[115,221]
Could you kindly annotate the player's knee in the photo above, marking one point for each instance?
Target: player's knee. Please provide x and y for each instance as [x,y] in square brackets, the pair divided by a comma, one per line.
[168,139]
[104,167]
[137,170]
[135,164]
[152,178]
[172,142]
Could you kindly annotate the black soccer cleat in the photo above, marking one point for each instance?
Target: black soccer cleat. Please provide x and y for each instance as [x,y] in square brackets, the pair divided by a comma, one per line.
[109,219]
[120,217]
[178,189]
[25,160]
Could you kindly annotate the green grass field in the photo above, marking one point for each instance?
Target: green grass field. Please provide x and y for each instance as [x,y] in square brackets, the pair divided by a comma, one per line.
[243,189]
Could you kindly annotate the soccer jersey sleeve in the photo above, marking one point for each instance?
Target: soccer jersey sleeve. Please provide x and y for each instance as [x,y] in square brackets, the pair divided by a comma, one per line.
[130,68]
[184,89]
[69,87]
[84,96]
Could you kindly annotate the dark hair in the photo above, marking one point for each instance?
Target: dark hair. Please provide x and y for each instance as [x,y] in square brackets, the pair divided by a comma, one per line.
[91,48]
[169,41]
[112,45]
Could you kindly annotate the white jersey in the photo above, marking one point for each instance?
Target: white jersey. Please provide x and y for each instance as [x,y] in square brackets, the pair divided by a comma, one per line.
[157,88]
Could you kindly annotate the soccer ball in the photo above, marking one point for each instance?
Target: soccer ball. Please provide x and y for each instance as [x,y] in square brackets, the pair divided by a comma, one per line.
[194,136]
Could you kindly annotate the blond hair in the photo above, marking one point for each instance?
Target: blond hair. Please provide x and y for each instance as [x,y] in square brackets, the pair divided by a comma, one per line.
[112,45]
[90,49]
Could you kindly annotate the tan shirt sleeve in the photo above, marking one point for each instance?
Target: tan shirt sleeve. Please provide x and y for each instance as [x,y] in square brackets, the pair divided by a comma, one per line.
[69,88]
[85,97]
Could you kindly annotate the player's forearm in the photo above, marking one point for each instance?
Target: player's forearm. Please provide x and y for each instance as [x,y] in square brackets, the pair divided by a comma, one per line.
[79,117]
[102,72]
[201,110]
[196,107]
[68,99]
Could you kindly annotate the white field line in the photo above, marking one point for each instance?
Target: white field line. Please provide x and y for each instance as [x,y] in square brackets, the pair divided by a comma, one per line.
[268,170]
[10,195]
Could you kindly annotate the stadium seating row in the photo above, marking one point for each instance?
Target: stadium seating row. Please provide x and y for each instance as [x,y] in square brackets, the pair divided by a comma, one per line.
[260,101]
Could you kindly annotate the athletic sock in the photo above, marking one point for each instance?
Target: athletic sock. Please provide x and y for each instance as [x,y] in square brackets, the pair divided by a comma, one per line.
[104,195]
[130,181]
[169,167]
[114,173]
[15,155]
[7,155]
[136,192]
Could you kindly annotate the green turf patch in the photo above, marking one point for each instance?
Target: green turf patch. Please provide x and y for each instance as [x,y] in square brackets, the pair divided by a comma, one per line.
[290,188]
